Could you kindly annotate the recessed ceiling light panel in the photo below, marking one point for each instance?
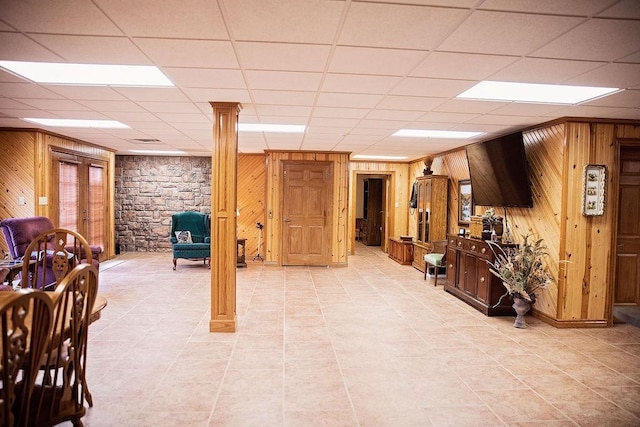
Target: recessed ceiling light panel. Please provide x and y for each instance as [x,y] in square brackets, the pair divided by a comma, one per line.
[534,92]
[76,123]
[157,152]
[88,74]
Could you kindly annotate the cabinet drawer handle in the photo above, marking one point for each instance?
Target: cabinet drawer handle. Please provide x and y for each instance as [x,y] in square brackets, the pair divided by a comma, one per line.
[482,280]
[459,243]
[450,265]
[473,247]
[483,250]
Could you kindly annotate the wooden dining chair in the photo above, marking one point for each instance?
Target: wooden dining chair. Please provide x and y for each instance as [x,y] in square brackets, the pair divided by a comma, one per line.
[26,323]
[61,393]
[54,253]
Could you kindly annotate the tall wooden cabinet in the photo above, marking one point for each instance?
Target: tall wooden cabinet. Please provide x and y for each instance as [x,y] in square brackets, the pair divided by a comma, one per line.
[430,215]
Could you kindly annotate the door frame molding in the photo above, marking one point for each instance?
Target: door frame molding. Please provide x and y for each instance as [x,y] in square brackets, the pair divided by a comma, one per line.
[389,184]
[614,205]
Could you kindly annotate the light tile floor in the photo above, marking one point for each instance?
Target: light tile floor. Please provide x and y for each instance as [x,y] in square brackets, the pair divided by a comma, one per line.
[372,344]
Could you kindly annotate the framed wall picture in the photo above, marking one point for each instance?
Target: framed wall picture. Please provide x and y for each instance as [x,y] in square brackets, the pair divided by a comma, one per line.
[593,191]
[465,202]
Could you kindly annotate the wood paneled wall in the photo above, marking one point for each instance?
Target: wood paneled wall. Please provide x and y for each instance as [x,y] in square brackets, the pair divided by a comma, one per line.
[29,159]
[251,200]
[398,197]
[580,247]
[273,207]
[17,177]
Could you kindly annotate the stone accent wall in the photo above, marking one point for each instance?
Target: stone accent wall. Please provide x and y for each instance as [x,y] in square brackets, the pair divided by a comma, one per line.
[149,189]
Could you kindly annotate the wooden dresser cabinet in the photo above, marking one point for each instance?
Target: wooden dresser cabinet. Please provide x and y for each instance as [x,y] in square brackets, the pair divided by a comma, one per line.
[469,278]
[430,215]
[401,251]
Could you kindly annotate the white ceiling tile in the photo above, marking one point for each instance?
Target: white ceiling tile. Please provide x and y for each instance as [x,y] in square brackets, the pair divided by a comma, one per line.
[469,106]
[414,103]
[495,119]
[281,80]
[199,19]
[8,103]
[596,40]
[611,75]
[502,33]
[398,26]
[189,53]
[446,117]
[26,91]
[347,113]
[55,104]
[352,83]
[104,105]
[82,49]
[86,92]
[326,122]
[331,130]
[367,129]
[282,97]
[465,66]
[310,21]
[370,61]
[390,125]
[62,16]
[538,70]
[217,95]
[18,47]
[283,56]
[282,111]
[23,113]
[436,88]
[169,107]
[318,145]
[169,94]
[522,109]
[182,118]
[622,9]
[565,7]
[356,100]
[625,98]
[393,115]
[205,78]
[132,118]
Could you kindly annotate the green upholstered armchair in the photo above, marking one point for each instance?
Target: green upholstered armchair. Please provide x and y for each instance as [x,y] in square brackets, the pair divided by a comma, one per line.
[191,237]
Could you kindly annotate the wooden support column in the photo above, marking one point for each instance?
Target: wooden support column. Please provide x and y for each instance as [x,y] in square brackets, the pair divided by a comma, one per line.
[224,178]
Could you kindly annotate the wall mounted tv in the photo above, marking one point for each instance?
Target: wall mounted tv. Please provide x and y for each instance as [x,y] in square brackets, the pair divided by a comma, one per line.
[499,173]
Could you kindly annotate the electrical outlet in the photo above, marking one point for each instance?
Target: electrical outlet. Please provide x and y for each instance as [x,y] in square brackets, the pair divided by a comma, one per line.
[22,201]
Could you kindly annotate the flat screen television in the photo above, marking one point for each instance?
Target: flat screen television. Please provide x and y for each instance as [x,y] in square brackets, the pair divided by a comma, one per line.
[499,172]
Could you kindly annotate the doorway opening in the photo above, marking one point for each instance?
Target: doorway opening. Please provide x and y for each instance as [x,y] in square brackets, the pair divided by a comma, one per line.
[372,213]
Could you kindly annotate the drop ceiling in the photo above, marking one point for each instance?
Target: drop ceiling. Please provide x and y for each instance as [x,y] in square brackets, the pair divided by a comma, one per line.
[353,72]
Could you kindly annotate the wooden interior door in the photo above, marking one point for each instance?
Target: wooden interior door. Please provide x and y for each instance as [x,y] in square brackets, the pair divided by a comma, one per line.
[627,287]
[307,213]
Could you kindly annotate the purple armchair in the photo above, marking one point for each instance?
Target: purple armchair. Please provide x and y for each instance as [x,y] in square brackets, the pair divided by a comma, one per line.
[20,232]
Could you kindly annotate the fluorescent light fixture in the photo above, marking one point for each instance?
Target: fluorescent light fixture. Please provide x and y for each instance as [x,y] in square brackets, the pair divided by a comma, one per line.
[452,134]
[257,127]
[88,74]
[534,92]
[366,157]
[77,123]
[157,151]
